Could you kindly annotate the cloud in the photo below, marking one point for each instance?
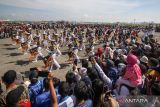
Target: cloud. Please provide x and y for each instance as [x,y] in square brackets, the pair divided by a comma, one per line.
[85,10]
[72,5]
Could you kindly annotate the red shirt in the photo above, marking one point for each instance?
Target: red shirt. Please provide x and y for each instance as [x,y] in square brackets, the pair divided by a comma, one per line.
[23,103]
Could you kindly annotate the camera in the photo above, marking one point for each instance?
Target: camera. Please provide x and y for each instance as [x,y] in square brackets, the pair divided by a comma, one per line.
[43,73]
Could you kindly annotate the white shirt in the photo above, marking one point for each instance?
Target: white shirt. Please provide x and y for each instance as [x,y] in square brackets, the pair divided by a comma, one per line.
[67,103]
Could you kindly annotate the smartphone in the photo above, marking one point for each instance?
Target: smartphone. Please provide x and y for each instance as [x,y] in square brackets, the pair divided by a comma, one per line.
[43,73]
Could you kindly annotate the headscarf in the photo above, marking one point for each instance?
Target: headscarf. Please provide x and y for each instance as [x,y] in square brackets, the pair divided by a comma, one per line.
[133,71]
[131,59]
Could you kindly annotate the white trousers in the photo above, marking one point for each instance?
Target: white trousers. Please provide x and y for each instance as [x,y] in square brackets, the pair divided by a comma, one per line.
[76,57]
[59,52]
[39,54]
[54,62]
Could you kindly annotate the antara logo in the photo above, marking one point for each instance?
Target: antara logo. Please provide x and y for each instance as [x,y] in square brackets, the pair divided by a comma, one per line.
[136,100]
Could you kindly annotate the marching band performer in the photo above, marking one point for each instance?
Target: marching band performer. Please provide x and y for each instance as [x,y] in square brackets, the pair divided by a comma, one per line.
[45,41]
[58,50]
[35,52]
[90,51]
[24,47]
[81,45]
[13,38]
[75,55]
[53,60]
[29,40]
[17,39]
[61,39]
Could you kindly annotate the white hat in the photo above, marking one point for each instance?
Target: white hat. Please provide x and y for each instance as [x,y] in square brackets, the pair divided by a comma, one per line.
[44,32]
[92,48]
[147,47]
[144,59]
[75,51]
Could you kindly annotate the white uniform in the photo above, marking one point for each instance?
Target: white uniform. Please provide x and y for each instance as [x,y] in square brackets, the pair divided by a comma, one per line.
[49,37]
[81,47]
[76,57]
[22,39]
[17,36]
[39,54]
[45,42]
[54,62]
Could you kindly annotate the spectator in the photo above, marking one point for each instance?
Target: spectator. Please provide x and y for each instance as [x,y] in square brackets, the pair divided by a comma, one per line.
[80,92]
[71,79]
[14,98]
[111,71]
[100,73]
[56,83]
[53,97]
[9,80]
[154,69]
[43,100]
[132,76]
[36,86]
[98,88]
[66,100]
[144,61]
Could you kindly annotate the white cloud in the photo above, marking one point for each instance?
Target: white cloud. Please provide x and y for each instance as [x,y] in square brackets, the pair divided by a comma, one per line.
[72,5]
[85,10]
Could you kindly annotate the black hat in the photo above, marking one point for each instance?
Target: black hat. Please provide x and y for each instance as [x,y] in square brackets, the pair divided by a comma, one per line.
[33,75]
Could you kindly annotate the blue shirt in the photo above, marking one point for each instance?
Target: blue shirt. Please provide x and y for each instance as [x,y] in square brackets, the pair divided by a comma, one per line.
[43,100]
[35,89]
[112,74]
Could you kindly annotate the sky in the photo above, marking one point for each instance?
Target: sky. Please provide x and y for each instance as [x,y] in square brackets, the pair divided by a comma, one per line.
[81,10]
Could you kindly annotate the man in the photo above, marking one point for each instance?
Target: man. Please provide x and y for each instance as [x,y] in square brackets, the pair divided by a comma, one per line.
[100,73]
[154,69]
[54,62]
[80,92]
[53,97]
[36,86]
[66,100]
[43,100]
[9,80]
[35,52]
[111,70]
